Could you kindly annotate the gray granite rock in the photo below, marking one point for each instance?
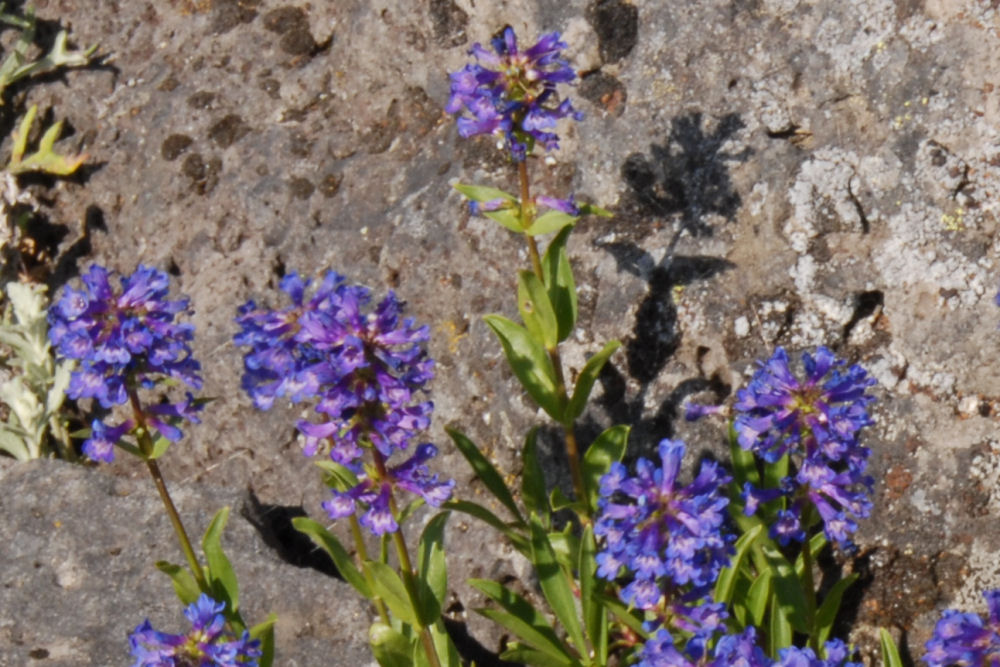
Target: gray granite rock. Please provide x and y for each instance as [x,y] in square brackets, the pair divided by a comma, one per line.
[783,172]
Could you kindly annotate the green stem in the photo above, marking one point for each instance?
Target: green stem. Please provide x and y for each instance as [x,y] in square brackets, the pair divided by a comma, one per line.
[810,590]
[406,565]
[362,551]
[569,434]
[146,445]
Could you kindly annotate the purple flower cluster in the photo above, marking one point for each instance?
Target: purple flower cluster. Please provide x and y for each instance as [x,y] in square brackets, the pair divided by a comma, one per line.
[738,650]
[664,535]
[513,92]
[816,420]
[964,639]
[124,339]
[364,367]
[207,644]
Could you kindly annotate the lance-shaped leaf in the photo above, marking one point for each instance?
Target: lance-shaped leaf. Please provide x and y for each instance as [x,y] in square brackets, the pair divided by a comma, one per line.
[558,278]
[554,584]
[827,612]
[536,309]
[390,588]
[221,576]
[529,362]
[332,546]
[595,618]
[522,619]
[585,383]
[432,570]
[890,653]
[590,209]
[486,472]
[550,221]
[45,159]
[184,583]
[606,449]
[725,585]
[533,480]
[507,217]
[475,510]
[484,193]
[789,599]
[264,632]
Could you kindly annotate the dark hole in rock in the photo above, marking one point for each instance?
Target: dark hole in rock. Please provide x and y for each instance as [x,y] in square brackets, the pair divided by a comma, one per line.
[448,22]
[285,19]
[616,23]
[865,305]
[228,130]
[38,653]
[174,145]
[201,100]
[298,42]
[605,91]
[330,184]
[301,188]
[227,14]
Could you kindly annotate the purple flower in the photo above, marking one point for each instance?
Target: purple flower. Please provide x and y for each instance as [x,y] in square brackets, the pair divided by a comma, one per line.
[817,421]
[965,639]
[123,338]
[513,92]
[660,533]
[837,655]
[207,644]
[730,651]
[364,366]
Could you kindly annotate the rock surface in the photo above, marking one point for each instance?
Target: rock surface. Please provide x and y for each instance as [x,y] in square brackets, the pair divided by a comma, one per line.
[782,172]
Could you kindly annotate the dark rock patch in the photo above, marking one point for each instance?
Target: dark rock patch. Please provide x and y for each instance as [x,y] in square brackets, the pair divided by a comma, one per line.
[617,26]
[174,145]
[448,22]
[229,130]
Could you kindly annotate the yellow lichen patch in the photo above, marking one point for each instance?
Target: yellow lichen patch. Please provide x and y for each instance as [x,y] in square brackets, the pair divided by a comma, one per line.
[454,334]
[954,222]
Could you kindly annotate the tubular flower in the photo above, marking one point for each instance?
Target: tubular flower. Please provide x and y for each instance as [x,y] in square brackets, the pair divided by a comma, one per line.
[730,651]
[660,532]
[124,338]
[513,93]
[817,421]
[837,655]
[207,644]
[365,368]
[966,640]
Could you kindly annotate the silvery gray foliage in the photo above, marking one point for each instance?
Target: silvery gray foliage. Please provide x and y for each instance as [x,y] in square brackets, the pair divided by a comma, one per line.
[35,388]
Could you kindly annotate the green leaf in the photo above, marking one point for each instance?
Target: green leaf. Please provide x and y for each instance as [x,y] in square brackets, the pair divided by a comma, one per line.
[522,619]
[758,597]
[622,613]
[389,587]
[431,568]
[530,364]
[827,612]
[517,540]
[221,577]
[483,193]
[160,447]
[780,630]
[45,159]
[529,656]
[550,221]
[558,278]
[533,480]
[444,646]
[506,217]
[585,382]
[337,476]
[486,472]
[605,450]
[591,209]
[184,582]
[554,584]
[890,654]
[816,544]
[775,472]
[390,648]
[787,589]
[536,310]
[595,618]
[558,500]
[325,540]
[265,633]
[725,585]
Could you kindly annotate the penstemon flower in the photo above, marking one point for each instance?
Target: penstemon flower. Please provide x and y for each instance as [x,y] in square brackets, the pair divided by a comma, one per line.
[513,92]
[837,655]
[207,644]
[365,368]
[730,651]
[124,339]
[817,421]
[658,530]
[964,639]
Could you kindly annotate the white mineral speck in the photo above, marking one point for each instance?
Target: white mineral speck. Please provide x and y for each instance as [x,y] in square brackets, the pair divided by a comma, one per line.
[741,326]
